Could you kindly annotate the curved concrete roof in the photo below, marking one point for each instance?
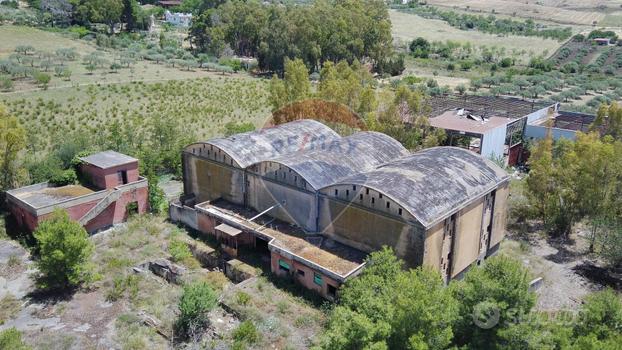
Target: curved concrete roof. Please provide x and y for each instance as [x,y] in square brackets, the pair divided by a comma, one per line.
[343,157]
[265,144]
[433,183]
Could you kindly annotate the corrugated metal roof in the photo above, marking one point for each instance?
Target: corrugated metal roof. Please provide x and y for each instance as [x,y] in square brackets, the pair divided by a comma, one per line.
[433,183]
[343,157]
[264,144]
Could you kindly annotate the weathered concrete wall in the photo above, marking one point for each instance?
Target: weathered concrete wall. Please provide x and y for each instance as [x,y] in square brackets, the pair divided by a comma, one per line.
[467,237]
[500,215]
[183,214]
[434,246]
[367,197]
[306,278]
[366,230]
[210,180]
[297,205]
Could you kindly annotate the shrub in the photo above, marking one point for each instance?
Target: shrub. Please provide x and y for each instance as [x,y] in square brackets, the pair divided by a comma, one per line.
[6,84]
[42,79]
[246,333]
[179,250]
[63,177]
[195,303]
[507,62]
[11,338]
[242,298]
[64,251]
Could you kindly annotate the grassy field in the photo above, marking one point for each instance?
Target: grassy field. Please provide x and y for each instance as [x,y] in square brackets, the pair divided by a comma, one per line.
[574,12]
[408,26]
[200,106]
[43,41]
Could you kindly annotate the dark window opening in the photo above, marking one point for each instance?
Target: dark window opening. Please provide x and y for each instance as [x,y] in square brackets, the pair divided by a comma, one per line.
[388,205]
[367,191]
[122,177]
[347,193]
[399,211]
[301,273]
[336,192]
[380,195]
[361,196]
[373,200]
[332,291]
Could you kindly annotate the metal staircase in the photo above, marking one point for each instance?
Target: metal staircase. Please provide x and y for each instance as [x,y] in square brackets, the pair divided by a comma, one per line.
[111,197]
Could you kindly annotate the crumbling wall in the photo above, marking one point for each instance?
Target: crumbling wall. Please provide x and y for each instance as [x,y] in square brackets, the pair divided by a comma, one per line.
[183,214]
[500,215]
[434,246]
[467,237]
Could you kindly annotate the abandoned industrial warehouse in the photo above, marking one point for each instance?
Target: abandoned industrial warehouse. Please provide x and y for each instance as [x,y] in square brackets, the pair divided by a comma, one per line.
[316,203]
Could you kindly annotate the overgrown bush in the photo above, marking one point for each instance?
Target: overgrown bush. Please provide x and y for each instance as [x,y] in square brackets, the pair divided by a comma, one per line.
[179,250]
[197,300]
[11,338]
[64,251]
[246,333]
[63,177]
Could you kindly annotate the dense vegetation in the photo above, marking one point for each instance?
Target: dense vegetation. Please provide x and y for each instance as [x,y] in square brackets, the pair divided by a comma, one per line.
[400,113]
[387,307]
[489,24]
[574,180]
[317,32]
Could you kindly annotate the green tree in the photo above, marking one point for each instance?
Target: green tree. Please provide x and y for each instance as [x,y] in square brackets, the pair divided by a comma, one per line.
[609,120]
[294,86]
[12,142]
[64,251]
[101,11]
[387,307]
[196,301]
[490,298]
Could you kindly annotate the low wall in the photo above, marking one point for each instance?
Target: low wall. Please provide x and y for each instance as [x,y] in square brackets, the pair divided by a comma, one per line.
[183,214]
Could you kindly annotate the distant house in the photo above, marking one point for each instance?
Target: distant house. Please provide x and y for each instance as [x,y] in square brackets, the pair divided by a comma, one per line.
[111,190]
[561,125]
[602,41]
[491,126]
[178,19]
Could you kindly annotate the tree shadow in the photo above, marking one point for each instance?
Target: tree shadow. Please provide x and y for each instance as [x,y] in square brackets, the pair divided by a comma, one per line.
[52,296]
[17,233]
[600,275]
[563,254]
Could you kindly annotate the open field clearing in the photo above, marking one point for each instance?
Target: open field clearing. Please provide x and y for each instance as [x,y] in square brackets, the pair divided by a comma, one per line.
[565,12]
[406,27]
[48,42]
[200,106]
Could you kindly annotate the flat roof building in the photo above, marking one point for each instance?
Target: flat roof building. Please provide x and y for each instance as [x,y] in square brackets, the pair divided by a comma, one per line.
[491,126]
[111,189]
[317,203]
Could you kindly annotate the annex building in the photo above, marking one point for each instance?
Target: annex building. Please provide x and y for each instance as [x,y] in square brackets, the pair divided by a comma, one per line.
[317,203]
[110,190]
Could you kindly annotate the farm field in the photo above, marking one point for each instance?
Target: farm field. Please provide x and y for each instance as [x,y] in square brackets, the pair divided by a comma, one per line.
[200,107]
[48,42]
[407,27]
[574,12]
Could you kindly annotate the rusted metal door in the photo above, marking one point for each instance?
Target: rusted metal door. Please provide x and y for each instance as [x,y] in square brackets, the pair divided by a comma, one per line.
[447,248]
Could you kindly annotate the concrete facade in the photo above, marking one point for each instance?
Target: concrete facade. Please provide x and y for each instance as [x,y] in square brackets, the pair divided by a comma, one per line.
[443,207]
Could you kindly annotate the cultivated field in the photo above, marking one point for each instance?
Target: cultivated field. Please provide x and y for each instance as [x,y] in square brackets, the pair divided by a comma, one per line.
[49,42]
[408,26]
[200,106]
[575,12]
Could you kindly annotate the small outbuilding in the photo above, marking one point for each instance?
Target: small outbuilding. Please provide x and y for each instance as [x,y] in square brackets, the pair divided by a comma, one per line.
[110,189]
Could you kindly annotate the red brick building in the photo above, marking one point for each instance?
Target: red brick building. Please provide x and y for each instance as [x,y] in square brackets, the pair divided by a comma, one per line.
[112,189]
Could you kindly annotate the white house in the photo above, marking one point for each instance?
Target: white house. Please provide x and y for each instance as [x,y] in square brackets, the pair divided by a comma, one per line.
[178,18]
